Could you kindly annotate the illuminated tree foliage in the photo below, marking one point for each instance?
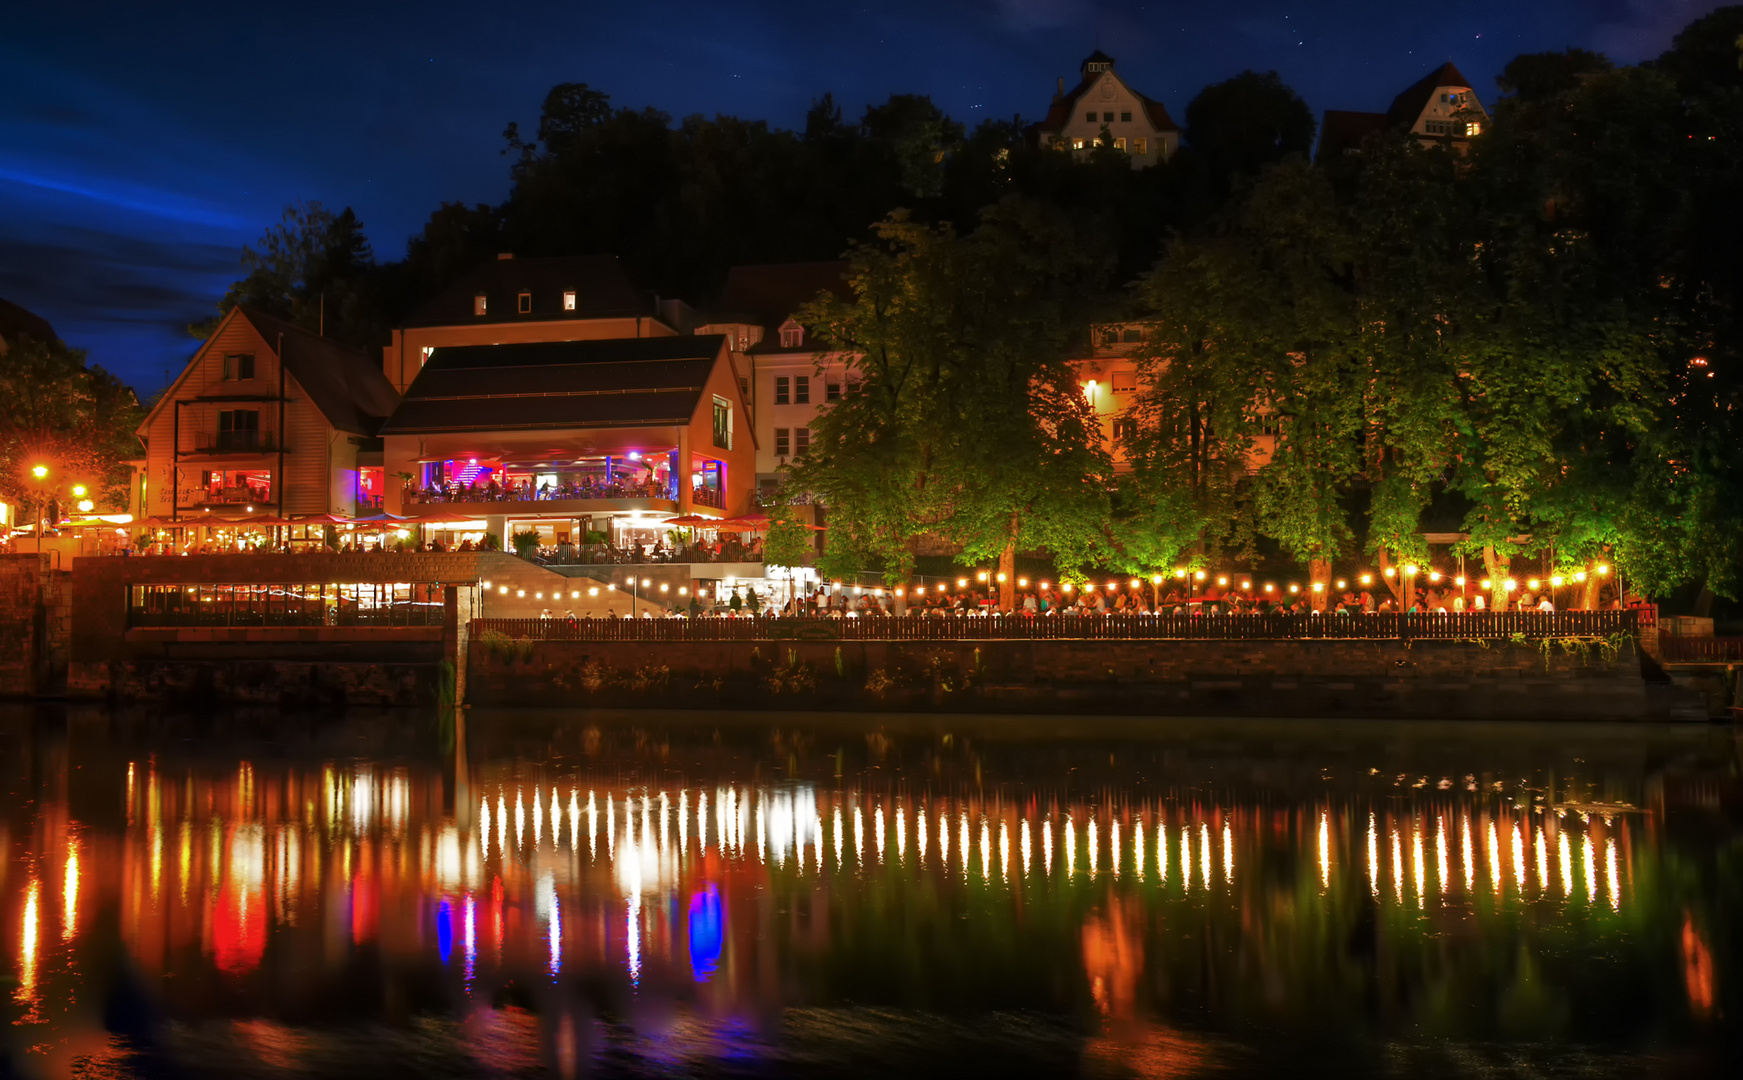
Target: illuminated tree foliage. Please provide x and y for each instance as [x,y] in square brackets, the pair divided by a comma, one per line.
[77,420]
[968,422]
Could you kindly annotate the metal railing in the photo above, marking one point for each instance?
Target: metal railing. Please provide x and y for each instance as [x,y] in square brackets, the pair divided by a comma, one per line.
[397,615]
[1698,650]
[1391,626]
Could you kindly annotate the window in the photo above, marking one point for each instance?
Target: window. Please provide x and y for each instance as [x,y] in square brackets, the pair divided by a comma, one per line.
[783,446]
[744,387]
[780,390]
[1473,130]
[239,429]
[801,389]
[238,366]
[1123,382]
[1090,116]
[1077,144]
[1125,118]
[526,302]
[722,424]
[832,391]
[792,336]
[1125,429]
[1131,333]
[1107,117]
[569,300]
[1119,144]
[801,441]
[478,304]
[853,388]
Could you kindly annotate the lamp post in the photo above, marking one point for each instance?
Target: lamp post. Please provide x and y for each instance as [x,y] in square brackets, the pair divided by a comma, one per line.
[40,472]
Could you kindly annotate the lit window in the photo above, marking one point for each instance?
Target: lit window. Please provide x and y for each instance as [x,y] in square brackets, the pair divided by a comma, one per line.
[478,304]
[722,423]
[801,440]
[1473,130]
[1077,144]
[801,390]
[1119,144]
[526,302]
[783,445]
[1125,118]
[1125,429]
[792,336]
[569,300]
[1140,147]
[781,390]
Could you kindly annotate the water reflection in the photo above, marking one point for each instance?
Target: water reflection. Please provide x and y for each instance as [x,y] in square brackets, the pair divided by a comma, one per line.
[1241,902]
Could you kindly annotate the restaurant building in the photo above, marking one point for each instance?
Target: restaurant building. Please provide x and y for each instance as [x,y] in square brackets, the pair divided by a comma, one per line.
[267,418]
[549,395]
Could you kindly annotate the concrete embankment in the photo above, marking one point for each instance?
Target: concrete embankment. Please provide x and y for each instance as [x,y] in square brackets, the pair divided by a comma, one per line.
[1314,678]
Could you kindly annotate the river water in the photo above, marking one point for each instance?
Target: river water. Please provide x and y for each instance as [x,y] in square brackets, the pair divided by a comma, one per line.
[676,894]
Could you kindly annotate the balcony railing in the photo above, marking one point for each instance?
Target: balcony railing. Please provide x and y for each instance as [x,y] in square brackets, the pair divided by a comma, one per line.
[703,496]
[236,496]
[233,442]
[1392,626]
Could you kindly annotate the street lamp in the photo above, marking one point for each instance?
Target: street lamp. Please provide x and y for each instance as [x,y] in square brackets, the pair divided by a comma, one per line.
[41,474]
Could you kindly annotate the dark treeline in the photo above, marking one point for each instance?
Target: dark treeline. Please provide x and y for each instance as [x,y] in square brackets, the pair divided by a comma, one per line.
[681,203]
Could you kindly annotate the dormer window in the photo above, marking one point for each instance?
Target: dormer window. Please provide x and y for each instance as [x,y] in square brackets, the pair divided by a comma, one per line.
[569,300]
[479,305]
[526,303]
[792,336]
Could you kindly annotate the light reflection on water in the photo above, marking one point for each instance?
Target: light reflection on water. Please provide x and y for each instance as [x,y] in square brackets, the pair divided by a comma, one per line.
[1143,910]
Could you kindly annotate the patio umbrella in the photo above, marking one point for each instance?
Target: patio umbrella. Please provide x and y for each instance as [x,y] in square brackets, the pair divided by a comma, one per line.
[693,520]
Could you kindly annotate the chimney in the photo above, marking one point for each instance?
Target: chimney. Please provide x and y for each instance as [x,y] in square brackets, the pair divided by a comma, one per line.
[1059,93]
[501,255]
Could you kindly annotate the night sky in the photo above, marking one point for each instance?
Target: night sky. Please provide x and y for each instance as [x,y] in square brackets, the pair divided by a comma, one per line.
[142,144]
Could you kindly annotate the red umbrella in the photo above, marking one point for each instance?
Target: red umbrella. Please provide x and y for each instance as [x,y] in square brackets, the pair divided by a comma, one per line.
[692,520]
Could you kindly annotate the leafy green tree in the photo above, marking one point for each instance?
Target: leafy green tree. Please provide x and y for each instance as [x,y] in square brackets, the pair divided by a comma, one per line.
[1243,124]
[72,417]
[969,422]
[788,543]
[315,269]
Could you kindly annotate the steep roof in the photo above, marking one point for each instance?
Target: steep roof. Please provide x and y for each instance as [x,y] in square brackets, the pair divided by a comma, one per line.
[346,384]
[15,320]
[616,382]
[770,294]
[602,290]
[1407,106]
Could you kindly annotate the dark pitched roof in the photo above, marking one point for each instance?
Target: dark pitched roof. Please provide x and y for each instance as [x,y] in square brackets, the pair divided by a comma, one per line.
[769,295]
[1343,130]
[1159,118]
[601,288]
[615,382]
[346,384]
[1407,106]
[15,320]
[1097,57]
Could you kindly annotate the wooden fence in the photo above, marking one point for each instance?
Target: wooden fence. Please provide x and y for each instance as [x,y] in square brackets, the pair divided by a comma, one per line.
[1700,650]
[1391,626]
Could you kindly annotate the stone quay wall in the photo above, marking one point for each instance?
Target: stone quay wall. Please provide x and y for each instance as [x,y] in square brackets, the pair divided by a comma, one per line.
[35,624]
[1313,678]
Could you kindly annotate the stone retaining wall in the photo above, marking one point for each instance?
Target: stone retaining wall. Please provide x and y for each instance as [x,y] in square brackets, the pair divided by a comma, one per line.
[1440,679]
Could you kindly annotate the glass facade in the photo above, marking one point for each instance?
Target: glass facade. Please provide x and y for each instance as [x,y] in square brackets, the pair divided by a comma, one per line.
[361,604]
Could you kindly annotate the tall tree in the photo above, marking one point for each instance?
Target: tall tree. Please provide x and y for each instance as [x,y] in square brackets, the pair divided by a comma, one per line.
[74,419]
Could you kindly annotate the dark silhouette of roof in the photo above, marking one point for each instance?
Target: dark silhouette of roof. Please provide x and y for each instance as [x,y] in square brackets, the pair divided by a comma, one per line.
[771,294]
[614,382]
[15,320]
[1342,130]
[1097,57]
[601,288]
[346,384]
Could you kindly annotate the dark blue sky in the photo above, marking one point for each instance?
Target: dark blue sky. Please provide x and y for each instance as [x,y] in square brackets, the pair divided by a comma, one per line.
[142,144]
